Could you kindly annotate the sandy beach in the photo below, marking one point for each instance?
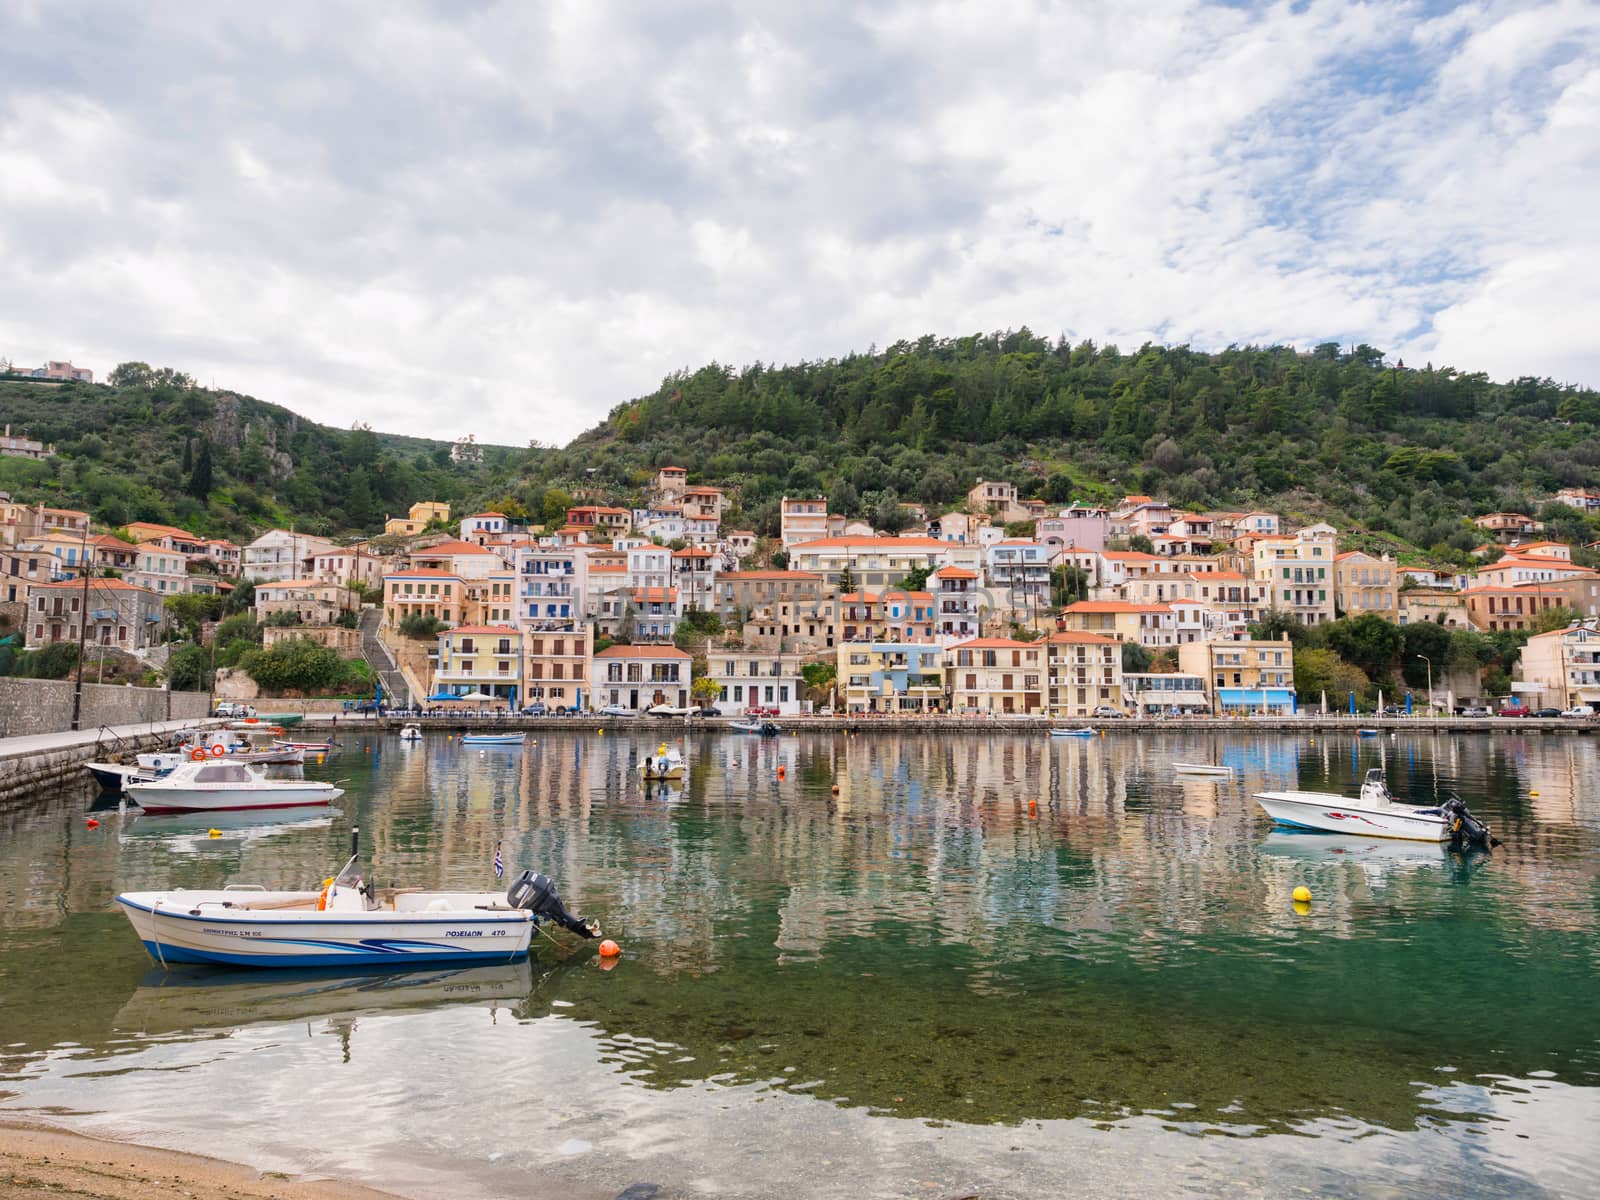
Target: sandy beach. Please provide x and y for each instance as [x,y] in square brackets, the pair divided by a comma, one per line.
[35,1161]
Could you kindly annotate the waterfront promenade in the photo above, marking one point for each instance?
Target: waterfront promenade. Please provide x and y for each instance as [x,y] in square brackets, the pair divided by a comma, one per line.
[32,760]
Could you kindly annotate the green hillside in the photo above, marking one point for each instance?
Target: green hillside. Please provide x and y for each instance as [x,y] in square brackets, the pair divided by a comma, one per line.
[1394,456]
[135,452]
[1403,453]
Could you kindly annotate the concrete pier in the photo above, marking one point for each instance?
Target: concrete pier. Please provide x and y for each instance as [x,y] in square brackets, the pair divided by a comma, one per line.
[39,759]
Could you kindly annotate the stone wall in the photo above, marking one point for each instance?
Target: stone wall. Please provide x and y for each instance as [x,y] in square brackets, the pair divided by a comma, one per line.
[45,705]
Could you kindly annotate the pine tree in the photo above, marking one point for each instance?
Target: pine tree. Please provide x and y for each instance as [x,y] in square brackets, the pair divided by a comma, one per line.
[188,456]
[200,477]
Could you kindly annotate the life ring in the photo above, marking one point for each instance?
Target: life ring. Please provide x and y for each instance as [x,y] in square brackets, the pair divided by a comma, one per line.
[218,750]
[198,755]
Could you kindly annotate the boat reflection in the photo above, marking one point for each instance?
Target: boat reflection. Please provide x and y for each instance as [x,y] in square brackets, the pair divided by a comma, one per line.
[186,833]
[189,998]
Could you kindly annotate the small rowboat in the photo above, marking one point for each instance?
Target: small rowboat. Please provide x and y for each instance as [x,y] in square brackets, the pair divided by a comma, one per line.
[1084,732]
[314,747]
[493,739]
[1200,769]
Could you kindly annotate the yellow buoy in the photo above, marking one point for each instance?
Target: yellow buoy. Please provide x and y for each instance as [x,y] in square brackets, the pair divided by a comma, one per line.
[1301,907]
[1302,894]
[213,833]
[1533,793]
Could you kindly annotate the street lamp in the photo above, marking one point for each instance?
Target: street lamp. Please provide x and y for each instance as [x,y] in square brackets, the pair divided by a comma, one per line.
[1429,661]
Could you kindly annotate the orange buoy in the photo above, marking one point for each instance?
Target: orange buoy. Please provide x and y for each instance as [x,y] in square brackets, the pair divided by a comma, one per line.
[780,772]
[609,949]
[92,823]
[1033,808]
[836,789]
[198,756]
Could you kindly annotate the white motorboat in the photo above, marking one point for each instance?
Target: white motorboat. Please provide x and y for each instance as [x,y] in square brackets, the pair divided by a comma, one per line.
[345,923]
[221,784]
[1084,732]
[411,733]
[1375,814]
[113,777]
[493,739]
[668,710]
[666,763]
[1184,768]
[764,728]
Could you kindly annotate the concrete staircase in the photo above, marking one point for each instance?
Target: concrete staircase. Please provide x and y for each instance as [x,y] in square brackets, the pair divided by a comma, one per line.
[396,689]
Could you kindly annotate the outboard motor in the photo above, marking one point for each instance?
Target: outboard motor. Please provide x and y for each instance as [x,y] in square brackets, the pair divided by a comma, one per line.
[1465,829]
[537,894]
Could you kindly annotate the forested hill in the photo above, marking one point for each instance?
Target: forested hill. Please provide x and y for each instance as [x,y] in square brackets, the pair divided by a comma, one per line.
[157,448]
[1407,450]
[1402,453]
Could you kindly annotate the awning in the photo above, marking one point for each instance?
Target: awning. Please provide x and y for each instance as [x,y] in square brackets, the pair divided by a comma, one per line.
[1255,697]
[103,614]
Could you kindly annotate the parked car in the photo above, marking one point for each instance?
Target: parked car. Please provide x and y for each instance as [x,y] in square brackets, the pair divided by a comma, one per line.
[825,711]
[615,710]
[1547,712]
[229,708]
[1579,710]
[1106,710]
[1394,710]
[1477,710]
[536,709]
[1513,710]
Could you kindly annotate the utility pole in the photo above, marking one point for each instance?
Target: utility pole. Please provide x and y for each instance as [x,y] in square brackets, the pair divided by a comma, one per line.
[83,628]
[1429,661]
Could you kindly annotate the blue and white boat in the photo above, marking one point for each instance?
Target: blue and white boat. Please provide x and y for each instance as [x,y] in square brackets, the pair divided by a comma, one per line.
[1084,732]
[493,739]
[346,922]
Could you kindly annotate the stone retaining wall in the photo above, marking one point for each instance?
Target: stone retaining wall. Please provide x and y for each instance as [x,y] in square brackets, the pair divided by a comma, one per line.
[29,706]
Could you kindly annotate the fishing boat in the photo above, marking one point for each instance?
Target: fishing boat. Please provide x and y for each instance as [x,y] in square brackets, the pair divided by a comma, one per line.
[1184,768]
[196,786]
[666,763]
[1376,813]
[347,922]
[763,728]
[493,739]
[411,733]
[1366,733]
[112,777]
[314,747]
[1084,732]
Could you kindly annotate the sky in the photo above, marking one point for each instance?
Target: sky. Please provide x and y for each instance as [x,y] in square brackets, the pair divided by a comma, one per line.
[505,219]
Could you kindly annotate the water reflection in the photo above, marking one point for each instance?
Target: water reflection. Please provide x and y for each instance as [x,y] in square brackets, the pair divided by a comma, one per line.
[968,929]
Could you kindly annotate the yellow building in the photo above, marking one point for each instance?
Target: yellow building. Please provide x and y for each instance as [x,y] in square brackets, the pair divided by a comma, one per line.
[1364,583]
[1565,666]
[423,513]
[1084,673]
[1298,567]
[438,594]
[1243,676]
[996,675]
[480,660]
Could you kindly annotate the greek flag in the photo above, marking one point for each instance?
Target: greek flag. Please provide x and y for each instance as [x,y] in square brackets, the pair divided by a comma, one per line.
[499,863]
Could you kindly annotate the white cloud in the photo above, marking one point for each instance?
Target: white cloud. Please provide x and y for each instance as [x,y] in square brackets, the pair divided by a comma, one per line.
[506,219]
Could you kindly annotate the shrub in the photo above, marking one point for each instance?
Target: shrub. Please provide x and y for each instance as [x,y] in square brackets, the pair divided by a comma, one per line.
[421,627]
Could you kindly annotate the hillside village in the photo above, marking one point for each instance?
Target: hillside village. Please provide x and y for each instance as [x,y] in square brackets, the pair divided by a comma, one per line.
[1002,605]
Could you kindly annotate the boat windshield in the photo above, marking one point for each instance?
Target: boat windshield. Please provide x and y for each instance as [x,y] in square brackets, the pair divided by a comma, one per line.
[223,773]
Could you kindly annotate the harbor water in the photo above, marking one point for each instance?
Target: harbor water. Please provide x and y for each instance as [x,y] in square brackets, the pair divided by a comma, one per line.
[885,965]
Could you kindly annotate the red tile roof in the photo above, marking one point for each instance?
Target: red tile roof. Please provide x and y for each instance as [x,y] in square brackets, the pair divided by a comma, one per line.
[996,644]
[1079,637]
[642,652]
[496,629]
[450,548]
[423,573]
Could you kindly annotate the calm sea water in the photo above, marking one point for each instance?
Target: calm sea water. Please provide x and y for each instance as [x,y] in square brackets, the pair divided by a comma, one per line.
[993,965]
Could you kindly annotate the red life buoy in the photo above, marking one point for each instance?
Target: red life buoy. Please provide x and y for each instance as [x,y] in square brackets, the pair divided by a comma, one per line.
[218,750]
[198,755]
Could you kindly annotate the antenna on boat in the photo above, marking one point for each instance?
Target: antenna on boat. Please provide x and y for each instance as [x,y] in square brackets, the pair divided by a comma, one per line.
[355,840]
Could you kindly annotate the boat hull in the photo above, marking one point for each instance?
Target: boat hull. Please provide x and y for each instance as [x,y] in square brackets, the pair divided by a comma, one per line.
[156,798]
[1201,769]
[1336,814]
[1077,733]
[492,739]
[113,777]
[193,927]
